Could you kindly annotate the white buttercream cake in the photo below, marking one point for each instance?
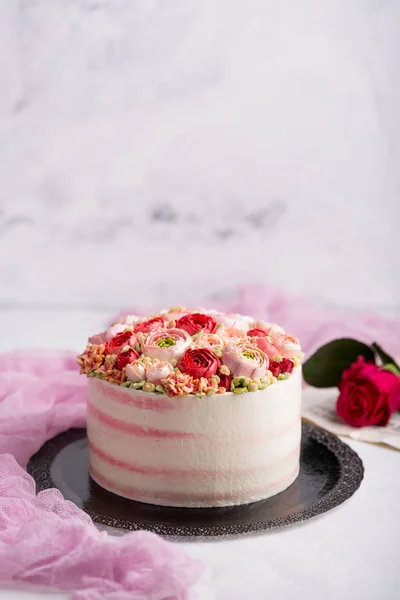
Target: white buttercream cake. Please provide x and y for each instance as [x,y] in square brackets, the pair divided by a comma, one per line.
[193,408]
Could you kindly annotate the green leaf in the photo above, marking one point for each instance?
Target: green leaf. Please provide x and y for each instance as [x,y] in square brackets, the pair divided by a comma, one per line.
[385,358]
[325,367]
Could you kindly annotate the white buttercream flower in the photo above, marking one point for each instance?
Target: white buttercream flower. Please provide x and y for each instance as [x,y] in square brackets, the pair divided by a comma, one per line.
[233,321]
[129,320]
[135,371]
[157,371]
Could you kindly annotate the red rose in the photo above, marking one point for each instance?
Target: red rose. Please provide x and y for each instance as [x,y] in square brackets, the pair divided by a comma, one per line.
[368,394]
[199,362]
[150,325]
[287,365]
[126,357]
[225,381]
[256,333]
[275,367]
[117,342]
[196,322]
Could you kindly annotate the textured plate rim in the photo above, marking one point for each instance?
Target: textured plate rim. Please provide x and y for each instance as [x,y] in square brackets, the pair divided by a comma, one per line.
[350,478]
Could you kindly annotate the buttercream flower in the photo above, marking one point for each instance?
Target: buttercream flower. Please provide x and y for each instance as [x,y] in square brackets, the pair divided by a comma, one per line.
[150,325]
[230,321]
[166,344]
[232,333]
[135,371]
[158,371]
[196,322]
[275,368]
[115,344]
[113,330]
[98,338]
[266,346]
[288,344]
[287,365]
[199,362]
[209,340]
[270,328]
[245,359]
[175,313]
[129,320]
[256,332]
[124,357]
[178,384]
[91,359]
[225,381]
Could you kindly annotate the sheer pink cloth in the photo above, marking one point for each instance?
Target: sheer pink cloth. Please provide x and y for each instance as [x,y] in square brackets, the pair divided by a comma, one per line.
[46,540]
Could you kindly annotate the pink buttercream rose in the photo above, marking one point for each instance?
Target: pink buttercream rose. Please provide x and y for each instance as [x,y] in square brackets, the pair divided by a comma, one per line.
[135,371]
[209,340]
[149,325]
[266,346]
[166,344]
[288,344]
[113,330]
[231,333]
[158,371]
[233,321]
[98,338]
[244,359]
[270,328]
[129,320]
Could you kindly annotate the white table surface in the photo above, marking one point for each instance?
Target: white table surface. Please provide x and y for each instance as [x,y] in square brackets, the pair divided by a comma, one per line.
[352,552]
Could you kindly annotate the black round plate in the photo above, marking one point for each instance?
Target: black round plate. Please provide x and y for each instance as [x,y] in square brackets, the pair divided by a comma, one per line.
[330,472]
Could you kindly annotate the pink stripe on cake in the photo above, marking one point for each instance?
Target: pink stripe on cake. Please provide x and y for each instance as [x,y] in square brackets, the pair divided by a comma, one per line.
[179,472]
[288,427]
[123,396]
[158,497]
[118,426]
[137,430]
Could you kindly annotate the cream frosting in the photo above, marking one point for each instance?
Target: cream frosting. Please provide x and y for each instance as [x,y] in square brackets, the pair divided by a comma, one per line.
[195,451]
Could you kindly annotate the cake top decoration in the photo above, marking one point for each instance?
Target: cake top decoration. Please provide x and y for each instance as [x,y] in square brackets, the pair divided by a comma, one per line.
[184,351]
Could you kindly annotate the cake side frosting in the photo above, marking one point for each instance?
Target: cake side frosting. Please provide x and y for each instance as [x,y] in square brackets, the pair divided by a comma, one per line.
[195,451]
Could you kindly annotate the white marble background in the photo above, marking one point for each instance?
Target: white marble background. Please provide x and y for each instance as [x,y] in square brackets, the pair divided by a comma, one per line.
[162,151]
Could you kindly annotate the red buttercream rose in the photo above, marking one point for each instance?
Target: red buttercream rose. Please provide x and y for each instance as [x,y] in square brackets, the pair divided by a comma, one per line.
[275,367]
[197,322]
[368,395]
[150,325]
[117,342]
[225,381]
[199,362]
[256,333]
[287,365]
[126,357]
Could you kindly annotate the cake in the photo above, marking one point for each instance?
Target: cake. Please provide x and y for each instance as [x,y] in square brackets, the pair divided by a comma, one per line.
[193,408]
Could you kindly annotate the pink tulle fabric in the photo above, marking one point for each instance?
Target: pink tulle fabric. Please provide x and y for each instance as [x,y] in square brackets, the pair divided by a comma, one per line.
[46,540]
